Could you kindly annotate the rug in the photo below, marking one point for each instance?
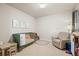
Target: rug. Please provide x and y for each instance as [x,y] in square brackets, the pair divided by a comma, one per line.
[42,42]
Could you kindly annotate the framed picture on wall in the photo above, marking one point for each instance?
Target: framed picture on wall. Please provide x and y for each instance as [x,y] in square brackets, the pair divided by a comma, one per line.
[22,25]
[15,23]
[18,24]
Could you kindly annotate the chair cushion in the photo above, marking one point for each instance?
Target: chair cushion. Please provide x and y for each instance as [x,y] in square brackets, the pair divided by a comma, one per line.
[56,41]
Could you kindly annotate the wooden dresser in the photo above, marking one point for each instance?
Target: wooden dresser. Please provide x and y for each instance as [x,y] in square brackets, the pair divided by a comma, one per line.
[5,46]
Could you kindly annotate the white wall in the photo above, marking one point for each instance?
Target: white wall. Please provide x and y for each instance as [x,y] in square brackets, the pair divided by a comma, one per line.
[7,13]
[50,25]
[45,26]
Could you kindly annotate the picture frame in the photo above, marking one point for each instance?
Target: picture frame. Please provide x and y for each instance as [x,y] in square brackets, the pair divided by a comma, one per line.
[18,24]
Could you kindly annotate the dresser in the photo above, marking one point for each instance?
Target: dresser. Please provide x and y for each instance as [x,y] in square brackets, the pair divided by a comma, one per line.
[6,46]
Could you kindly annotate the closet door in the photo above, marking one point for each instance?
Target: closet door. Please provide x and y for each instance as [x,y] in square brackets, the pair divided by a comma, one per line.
[75,21]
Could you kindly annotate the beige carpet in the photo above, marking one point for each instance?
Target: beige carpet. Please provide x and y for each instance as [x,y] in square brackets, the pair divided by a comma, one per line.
[42,42]
[45,50]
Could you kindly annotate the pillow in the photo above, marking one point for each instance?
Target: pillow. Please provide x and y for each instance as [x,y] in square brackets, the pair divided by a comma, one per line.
[27,36]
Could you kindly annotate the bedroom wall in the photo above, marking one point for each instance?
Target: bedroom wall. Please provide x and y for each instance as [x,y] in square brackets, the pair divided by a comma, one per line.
[7,14]
[49,26]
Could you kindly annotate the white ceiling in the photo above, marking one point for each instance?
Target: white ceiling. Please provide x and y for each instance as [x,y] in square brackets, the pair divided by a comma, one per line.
[34,10]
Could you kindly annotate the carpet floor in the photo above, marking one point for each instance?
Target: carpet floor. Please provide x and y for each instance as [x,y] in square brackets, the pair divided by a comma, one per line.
[42,50]
[42,42]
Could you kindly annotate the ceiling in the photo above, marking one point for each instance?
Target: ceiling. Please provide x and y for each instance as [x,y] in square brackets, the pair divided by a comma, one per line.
[34,10]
